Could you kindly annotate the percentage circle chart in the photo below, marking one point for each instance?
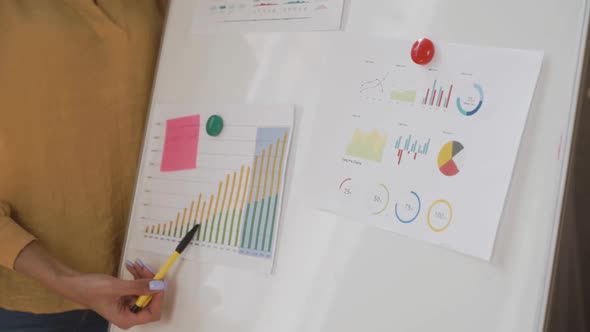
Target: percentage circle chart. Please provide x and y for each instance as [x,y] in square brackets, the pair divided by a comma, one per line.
[378,199]
[345,187]
[440,215]
[408,208]
[471,104]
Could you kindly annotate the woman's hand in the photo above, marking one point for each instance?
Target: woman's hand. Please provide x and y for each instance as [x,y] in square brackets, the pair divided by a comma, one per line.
[110,297]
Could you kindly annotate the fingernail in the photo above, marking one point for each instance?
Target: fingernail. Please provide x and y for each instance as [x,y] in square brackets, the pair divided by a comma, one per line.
[139,262]
[157,285]
[128,263]
[149,268]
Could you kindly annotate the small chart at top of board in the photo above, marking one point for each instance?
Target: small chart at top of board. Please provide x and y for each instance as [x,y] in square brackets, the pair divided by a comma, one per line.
[216,16]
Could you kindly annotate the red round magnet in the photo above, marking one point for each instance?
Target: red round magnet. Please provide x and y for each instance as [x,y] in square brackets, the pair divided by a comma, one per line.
[422,51]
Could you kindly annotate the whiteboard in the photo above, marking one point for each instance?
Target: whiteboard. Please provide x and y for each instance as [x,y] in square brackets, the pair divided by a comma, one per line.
[334,275]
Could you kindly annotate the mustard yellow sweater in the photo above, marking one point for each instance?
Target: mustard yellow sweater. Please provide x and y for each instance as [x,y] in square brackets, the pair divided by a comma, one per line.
[75,81]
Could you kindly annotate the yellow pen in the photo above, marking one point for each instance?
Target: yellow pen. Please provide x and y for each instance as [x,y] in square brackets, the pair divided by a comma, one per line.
[144,300]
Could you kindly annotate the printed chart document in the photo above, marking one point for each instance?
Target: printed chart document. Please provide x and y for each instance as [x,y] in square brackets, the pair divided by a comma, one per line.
[232,184]
[423,151]
[267,15]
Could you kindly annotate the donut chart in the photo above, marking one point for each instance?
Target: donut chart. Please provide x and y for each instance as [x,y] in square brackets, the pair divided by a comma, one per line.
[346,187]
[440,215]
[471,105]
[408,208]
[379,199]
[450,158]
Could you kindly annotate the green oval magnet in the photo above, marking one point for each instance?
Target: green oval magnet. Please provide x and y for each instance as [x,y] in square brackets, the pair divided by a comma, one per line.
[214,125]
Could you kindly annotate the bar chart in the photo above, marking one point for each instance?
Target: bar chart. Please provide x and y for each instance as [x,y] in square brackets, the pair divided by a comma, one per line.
[267,15]
[227,214]
[234,193]
[437,95]
[410,146]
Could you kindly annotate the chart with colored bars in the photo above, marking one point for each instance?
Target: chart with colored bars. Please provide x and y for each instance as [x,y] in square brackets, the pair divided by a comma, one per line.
[234,192]
[267,15]
[411,147]
[393,88]
[437,96]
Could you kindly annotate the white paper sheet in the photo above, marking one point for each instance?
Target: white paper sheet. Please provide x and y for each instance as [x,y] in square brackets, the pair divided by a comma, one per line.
[267,15]
[235,192]
[424,151]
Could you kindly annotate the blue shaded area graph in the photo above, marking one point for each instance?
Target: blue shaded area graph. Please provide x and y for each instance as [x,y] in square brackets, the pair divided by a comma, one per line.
[264,192]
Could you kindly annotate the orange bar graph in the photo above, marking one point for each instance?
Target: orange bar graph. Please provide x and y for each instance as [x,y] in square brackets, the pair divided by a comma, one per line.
[257,199]
[281,161]
[272,226]
[201,231]
[266,171]
[250,196]
[176,224]
[212,223]
[190,216]
[197,210]
[207,221]
[263,197]
[233,215]
[268,205]
[182,224]
[242,203]
[231,194]
[260,175]
[274,166]
[221,210]
[245,211]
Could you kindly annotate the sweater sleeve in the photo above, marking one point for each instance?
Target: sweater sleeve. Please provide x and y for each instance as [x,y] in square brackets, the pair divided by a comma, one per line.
[13,238]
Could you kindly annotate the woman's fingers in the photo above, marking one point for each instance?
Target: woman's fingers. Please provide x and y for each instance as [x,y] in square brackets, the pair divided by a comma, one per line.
[144,270]
[139,270]
[155,306]
[132,268]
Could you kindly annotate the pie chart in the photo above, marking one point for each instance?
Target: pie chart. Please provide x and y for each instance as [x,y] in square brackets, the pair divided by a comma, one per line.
[449,158]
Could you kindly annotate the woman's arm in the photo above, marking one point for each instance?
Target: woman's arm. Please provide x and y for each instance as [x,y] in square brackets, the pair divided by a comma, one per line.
[109,296]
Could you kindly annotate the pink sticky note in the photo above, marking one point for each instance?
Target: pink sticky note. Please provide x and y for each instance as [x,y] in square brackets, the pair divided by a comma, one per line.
[181,143]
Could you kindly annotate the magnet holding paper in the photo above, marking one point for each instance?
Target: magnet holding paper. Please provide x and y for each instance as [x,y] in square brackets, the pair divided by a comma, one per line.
[422,51]
[214,125]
